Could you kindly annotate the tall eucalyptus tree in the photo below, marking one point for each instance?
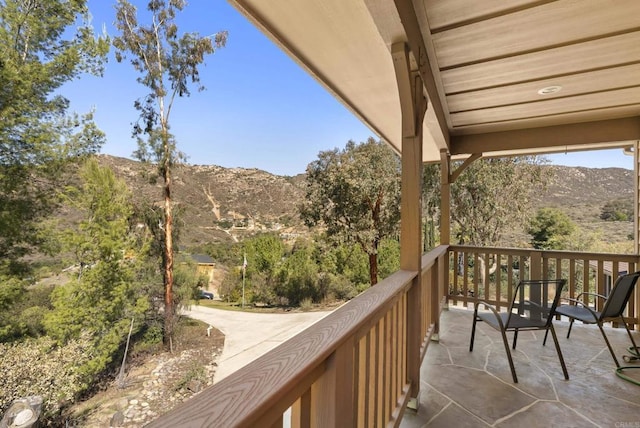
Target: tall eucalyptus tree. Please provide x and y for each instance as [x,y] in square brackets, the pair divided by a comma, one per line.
[167,64]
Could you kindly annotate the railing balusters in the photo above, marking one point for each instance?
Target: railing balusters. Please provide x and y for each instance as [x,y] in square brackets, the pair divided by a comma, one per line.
[476,275]
[498,276]
[465,270]
[588,272]
[388,360]
[572,278]
[372,377]
[301,411]
[361,393]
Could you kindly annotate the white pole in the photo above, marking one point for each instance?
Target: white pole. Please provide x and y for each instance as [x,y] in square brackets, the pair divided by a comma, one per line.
[243,288]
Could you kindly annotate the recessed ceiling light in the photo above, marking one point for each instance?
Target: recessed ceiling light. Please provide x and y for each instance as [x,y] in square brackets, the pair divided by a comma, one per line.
[549,90]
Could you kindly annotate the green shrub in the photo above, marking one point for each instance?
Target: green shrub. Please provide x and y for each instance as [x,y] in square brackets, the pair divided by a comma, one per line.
[306,304]
[40,367]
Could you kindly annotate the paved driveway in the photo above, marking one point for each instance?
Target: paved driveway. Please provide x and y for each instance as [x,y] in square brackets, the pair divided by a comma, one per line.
[248,335]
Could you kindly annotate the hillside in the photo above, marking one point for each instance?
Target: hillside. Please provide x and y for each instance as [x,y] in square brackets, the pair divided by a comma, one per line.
[582,192]
[219,203]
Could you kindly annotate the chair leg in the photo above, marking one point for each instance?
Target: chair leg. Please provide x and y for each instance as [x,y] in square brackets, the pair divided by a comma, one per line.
[515,338]
[606,340]
[473,329]
[506,348]
[635,351]
[570,325]
[555,341]
[544,342]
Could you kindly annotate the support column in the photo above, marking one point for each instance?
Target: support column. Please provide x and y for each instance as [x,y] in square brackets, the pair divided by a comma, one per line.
[636,220]
[413,105]
[445,198]
[636,199]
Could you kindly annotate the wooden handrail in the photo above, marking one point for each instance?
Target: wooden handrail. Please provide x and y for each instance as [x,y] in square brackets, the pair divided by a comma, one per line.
[269,385]
[364,352]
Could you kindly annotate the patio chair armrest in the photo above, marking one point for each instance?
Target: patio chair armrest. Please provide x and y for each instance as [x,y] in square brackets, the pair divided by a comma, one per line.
[486,304]
[586,293]
[491,307]
[584,305]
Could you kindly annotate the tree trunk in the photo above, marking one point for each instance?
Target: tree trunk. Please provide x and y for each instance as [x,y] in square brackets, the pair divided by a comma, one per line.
[373,268]
[168,262]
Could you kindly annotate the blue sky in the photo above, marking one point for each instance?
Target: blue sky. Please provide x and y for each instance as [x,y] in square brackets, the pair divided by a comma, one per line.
[260,109]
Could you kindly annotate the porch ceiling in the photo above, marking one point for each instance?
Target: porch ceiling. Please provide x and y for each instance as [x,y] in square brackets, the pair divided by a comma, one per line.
[483,64]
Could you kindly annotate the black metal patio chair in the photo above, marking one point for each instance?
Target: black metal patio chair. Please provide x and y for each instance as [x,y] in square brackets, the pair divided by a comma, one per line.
[532,308]
[613,309]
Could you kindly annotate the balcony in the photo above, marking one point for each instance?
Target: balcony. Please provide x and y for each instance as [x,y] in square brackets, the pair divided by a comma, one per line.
[475,389]
[376,356]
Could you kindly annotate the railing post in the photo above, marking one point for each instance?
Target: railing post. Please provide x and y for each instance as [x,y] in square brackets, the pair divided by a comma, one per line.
[435,298]
[535,265]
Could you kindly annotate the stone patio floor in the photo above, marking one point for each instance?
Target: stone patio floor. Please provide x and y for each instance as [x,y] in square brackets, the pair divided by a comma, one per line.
[475,389]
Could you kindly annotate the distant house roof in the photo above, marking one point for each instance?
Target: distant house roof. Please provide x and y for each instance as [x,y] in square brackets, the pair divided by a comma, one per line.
[607,266]
[202,259]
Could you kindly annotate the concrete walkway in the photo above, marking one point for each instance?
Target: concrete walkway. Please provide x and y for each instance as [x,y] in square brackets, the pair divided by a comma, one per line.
[249,335]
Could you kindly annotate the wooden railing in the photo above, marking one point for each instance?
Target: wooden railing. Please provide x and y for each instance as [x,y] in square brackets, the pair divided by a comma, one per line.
[357,367]
[491,273]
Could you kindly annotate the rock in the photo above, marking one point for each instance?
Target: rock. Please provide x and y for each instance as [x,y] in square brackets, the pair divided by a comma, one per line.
[194,386]
[117,420]
[122,404]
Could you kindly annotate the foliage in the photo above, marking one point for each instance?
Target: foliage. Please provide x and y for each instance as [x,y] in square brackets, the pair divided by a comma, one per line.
[493,195]
[101,300]
[430,204]
[41,367]
[343,260]
[550,229]
[195,372]
[336,288]
[230,289]
[298,276]
[355,194]
[617,210]
[22,308]
[11,292]
[224,252]
[389,255]
[263,253]
[188,282]
[167,64]
[40,51]
[314,271]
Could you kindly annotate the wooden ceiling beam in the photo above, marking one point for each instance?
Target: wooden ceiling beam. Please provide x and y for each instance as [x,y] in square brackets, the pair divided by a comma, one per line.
[418,48]
[625,129]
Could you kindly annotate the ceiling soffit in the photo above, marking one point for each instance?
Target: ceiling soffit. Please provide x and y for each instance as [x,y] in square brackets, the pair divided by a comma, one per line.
[483,64]
[492,58]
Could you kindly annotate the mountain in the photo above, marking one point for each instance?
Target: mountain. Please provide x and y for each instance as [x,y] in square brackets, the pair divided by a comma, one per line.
[217,204]
[582,192]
